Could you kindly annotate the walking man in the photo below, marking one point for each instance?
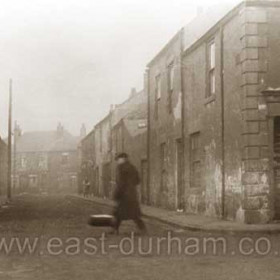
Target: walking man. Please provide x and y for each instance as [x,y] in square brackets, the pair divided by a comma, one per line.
[128,207]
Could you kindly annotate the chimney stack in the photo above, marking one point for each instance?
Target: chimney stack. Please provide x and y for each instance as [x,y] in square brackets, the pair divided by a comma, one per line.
[133,92]
[60,130]
[199,11]
[17,130]
[83,131]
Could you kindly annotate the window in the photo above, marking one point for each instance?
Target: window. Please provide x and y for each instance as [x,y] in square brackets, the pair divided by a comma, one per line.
[42,161]
[170,85]
[120,147]
[163,167]
[23,162]
[158,87]
[157,94]
[65,158]
[100,139]
[211,69]
[195,160]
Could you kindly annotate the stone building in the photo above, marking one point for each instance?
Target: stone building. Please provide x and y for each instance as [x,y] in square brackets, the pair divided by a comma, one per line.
[214,109]
[164,86]
[129,135]
[87,161]
[212,104]
[98,148]
[46,161]
[103,156]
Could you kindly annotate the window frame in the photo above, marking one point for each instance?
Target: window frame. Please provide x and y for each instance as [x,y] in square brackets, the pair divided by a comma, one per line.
[170,83]
[157,94]
[158,87]
[65,158]
[211,68]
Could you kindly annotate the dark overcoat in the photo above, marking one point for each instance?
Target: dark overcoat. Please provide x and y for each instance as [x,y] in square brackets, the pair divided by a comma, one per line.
[126,194]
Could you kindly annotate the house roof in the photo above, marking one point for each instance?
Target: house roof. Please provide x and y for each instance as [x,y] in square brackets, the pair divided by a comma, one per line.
[135,127]
[198,27]
[46,141]
[202,23]
[135,107]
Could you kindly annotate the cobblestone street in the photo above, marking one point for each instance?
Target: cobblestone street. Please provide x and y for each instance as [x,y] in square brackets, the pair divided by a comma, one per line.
[65,219]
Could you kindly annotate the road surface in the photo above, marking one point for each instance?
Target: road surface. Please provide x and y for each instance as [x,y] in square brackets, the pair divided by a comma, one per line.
[47,237]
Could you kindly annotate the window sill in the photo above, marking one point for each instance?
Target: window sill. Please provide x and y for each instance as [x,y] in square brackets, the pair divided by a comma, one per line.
[210,99]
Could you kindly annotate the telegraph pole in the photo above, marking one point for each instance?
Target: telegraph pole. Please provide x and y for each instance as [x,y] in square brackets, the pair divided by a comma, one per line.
[9,187]
[15,156]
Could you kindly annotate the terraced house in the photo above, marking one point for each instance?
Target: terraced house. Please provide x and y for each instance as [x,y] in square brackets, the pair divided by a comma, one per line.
[123,129]
[211,104]
[213,115]
[45,161]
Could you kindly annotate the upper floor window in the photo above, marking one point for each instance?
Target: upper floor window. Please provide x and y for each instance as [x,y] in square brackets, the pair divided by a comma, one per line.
[170,84]
[65,158]
[23,162]
[100,139]
[157,94]
[42,162]
[158,87]
[211,69]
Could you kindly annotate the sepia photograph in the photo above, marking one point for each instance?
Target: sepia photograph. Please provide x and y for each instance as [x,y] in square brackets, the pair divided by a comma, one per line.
[140,140]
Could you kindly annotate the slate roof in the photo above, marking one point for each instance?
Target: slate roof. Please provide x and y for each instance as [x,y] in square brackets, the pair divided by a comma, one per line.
[201,24]
[135,127]
[46,141]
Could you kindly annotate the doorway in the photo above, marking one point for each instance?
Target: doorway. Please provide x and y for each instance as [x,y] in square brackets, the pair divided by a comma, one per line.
[179,174]
[144,182]
[276,165]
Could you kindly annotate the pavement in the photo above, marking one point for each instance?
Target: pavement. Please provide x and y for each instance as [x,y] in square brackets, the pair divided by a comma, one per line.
[193,222]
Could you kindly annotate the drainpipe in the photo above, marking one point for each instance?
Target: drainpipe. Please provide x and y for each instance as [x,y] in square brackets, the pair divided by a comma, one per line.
[182,114]
[147,86]
[222,119]
[111,150]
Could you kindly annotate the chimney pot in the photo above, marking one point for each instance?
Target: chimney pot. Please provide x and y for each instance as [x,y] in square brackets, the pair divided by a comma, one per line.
[133,91]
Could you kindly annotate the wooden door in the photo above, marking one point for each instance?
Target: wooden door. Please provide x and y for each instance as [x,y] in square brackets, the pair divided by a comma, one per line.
[179,171]
[276,165]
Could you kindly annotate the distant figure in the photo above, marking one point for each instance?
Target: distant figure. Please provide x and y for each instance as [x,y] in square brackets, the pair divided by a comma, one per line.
[86,185]
[125,195]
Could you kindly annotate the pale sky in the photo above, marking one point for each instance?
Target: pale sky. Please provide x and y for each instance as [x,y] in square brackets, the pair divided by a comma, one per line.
[70,59]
